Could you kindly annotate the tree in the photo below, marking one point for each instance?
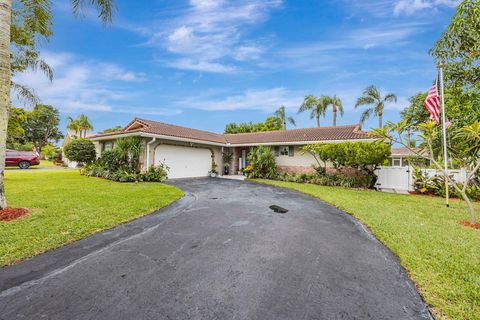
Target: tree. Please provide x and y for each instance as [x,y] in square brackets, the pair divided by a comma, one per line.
[281,114]
[112,129]
[16,131]
[466,152]
[371,96]
[337,106]
[262,161]
[41,126]
[459,46]
[80,150]
[81,125]
[270,124]
[104,8]
[316,105]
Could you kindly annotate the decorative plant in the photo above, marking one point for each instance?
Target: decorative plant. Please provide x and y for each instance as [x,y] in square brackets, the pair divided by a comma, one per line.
[262,160]
[214,169]
[227,158]
[81,151]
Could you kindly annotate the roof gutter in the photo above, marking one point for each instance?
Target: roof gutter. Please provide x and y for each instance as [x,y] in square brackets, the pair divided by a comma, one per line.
[148,151]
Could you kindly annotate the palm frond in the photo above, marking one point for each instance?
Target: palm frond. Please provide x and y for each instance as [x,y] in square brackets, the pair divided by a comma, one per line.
[291,120]
[104,8]
[24,93]
[365,115]
[391,97]
[363,101]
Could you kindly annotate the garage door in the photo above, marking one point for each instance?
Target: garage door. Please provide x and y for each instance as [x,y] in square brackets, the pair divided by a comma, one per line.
[184,162]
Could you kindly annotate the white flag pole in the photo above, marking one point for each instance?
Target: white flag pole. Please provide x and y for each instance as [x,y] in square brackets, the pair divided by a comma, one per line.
[444,131]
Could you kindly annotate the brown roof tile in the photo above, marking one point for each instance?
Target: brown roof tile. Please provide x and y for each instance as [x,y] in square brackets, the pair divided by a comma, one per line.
[351,132]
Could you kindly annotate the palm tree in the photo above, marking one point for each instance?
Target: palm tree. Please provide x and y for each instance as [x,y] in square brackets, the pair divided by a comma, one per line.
[316,105]
[337,106]
[73,125]
[84,125]
[371,96]
[104,8]
[281,114]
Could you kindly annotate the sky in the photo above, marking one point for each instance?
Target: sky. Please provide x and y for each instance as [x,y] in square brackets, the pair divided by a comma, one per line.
[205,63]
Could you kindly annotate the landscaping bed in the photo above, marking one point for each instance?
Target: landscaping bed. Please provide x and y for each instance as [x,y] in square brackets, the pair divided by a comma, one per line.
[65,206]
[441,255]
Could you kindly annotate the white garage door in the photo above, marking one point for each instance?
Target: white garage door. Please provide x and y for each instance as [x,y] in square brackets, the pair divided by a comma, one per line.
[184,162]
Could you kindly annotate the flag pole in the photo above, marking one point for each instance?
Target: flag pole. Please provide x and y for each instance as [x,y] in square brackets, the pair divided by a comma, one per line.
[444,133]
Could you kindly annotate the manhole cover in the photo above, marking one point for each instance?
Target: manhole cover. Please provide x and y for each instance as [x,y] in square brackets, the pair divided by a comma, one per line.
[278,209]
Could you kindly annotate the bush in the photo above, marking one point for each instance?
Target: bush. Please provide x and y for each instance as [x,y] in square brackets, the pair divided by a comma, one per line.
[337,179]
[156,173]
[263,163]
[49,152]
[80,150]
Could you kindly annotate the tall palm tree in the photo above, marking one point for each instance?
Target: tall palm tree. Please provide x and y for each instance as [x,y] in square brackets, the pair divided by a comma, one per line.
[104,8]
[73,125]
[281,114]
[84,125]
[316,105]
[372,97]
[337,106]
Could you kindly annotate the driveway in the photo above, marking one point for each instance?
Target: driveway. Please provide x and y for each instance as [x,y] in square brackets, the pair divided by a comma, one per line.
[219,253]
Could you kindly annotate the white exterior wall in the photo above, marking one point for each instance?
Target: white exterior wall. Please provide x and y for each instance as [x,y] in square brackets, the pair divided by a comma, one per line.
[298,159]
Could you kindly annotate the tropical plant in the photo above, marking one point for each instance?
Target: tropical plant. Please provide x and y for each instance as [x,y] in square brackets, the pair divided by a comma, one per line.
[50,152]
[270,124]
[337,106]
[81,125]
[104,8]
[459,46]
[227,158]
[262,159]
[281,114]
[156,173]
[316,105]
[372,97]
[130,149]
[467,151]
[80,150]
[112,129]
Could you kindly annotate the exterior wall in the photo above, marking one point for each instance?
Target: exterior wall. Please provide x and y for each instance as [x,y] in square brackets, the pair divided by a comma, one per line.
[300,163]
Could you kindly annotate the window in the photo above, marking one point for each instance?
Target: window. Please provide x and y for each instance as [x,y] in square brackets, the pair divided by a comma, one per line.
[396,162]
[107,146]
[284,151]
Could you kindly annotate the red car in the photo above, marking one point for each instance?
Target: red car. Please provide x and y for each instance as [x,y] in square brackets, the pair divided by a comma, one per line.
[22,159]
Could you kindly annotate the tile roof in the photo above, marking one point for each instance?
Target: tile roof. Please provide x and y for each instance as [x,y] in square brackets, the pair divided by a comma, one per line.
[350,132]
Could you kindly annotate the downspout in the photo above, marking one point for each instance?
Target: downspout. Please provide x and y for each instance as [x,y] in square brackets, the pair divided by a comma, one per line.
[148,151]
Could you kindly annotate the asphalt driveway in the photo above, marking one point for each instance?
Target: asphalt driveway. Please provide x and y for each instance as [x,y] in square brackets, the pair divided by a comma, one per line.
[218,253]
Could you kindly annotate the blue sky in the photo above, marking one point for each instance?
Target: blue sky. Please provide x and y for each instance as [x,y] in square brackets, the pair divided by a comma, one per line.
[204,63]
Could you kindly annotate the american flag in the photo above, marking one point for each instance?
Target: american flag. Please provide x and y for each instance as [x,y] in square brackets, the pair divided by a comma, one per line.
[432,103]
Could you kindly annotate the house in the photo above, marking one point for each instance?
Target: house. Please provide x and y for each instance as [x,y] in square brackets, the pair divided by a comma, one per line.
[190,152]
[403,157]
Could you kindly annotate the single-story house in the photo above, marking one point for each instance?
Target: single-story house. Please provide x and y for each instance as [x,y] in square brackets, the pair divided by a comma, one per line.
[403,157]
[190,152]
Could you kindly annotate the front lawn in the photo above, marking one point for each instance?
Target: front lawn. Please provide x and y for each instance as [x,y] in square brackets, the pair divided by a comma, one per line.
[441,256]
[66,206]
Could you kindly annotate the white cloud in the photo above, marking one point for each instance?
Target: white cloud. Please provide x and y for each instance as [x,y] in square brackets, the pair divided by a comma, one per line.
[85,85]
[266,100]
[211,34]
[409,7]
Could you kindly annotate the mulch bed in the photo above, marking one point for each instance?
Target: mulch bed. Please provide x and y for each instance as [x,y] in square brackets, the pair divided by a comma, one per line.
[10,214]
[469,224]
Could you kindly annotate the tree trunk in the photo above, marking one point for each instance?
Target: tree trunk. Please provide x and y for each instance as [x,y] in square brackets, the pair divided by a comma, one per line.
[318,121]
[380,122]
[334,117]
[5,82]
[471,209]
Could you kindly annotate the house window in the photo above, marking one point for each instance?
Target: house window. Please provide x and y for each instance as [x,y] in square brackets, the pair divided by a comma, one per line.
[284,151]
[396,162]
[107,146]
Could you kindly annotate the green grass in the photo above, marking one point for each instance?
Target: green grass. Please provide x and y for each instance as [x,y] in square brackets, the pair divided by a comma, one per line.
[66,206]
[441,256]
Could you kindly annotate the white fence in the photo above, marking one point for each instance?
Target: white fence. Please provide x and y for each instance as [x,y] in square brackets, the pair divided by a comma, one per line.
[400,179]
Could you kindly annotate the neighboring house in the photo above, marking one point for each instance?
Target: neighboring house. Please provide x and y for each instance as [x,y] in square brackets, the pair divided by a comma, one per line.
[403,157]
[190,152]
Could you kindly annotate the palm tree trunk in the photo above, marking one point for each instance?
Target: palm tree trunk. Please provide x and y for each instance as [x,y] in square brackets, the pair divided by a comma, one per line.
[334,117]
[5,82]
[318,121]
[380,122]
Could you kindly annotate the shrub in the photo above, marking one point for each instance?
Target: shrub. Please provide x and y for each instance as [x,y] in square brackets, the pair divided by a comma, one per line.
[50,152]
[156,173]
[262,160]
[80,150]
[113,160]
[337,179]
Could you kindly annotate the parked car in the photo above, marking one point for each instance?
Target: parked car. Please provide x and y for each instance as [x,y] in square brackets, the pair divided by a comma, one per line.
[22,159]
